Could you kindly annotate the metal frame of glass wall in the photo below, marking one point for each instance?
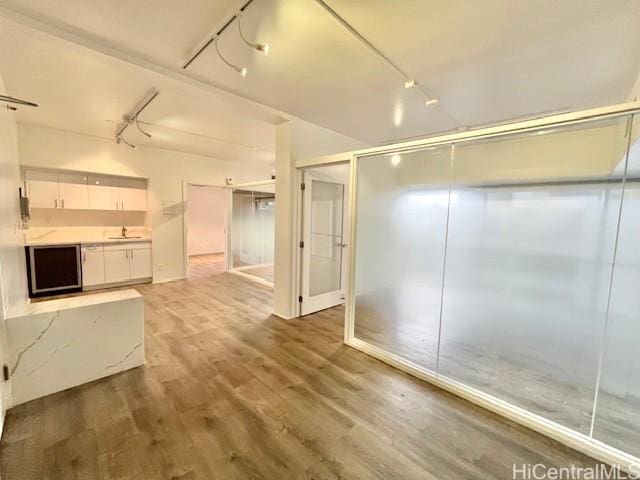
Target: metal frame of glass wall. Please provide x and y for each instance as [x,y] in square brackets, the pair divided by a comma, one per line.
[500,265]
[252,231]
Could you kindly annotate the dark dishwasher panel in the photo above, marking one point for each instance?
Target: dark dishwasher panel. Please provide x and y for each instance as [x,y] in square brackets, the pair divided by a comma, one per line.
[53,269]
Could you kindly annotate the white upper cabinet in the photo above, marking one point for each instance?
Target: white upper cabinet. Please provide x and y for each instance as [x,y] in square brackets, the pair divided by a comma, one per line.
[133,194]
[104,193]
[42,189]
[73,191]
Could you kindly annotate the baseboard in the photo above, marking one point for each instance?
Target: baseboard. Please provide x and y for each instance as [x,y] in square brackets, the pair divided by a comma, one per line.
[166,280]
[578,441]
[259,280]
[128,283]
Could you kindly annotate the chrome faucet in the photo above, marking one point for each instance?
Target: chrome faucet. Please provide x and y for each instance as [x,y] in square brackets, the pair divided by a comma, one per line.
[124,231]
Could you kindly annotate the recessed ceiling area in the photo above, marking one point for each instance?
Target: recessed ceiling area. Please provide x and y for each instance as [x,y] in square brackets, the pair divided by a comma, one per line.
[486,62]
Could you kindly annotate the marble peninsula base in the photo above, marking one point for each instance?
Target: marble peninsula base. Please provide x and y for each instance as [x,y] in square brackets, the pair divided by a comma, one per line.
[59,344]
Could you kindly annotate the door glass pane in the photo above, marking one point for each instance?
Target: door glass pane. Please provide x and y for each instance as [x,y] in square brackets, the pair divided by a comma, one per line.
[253,231]
[532,231]
[325,267]
[401,224]
[617,420]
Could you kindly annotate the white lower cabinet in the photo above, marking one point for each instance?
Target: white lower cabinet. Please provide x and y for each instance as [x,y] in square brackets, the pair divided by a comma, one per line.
[116,266]
[115,263]
[140,263]
[92,265]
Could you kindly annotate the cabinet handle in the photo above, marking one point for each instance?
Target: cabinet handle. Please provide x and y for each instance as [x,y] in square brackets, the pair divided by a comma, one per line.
[84,257]
[131,253]
[63,203]
[126,253]
[55,203]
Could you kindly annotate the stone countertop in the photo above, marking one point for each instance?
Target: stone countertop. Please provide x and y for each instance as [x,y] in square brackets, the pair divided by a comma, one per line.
[71,302]
[41,242]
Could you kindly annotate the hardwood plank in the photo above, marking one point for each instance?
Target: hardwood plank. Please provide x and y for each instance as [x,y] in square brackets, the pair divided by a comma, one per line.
[231,391]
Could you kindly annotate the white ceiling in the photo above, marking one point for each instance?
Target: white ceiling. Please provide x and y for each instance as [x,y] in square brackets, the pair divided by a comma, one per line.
[486,61]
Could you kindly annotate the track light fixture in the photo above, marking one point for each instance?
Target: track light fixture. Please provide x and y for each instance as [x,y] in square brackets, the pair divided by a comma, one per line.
[261,47]
[410,83]
[241,70]
[133,118]
[120,139]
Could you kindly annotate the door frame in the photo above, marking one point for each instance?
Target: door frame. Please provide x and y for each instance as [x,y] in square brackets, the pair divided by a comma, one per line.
[185,222]
[347,234]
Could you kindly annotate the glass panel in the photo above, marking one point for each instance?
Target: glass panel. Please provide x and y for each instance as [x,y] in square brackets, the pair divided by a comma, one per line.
[400,237]
[326,237]
[617,420]
[253,231]
[532,231]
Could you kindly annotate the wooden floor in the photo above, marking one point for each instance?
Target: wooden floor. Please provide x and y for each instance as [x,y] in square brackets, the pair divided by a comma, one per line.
[230,391]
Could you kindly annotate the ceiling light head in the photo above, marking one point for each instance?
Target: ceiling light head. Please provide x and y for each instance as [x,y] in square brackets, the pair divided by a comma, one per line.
[261,47]
[431,101]
[241,70]
[395,159]
[410,83]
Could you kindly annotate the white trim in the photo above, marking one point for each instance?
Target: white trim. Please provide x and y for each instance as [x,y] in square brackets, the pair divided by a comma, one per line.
[324,160]
[251,184]
[248,276]
[578,441]
[249,267]
[166,280]
[349,310]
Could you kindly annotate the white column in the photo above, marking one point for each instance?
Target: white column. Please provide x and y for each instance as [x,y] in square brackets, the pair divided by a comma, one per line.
[285,258]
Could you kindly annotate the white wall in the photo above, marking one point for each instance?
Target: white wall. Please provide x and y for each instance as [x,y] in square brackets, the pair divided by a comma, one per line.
[166,171]
[296,140]
[13,283]
[206,210]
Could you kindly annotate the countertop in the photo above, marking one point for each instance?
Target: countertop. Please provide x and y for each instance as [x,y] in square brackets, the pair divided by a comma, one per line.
[72,302]
[44,241]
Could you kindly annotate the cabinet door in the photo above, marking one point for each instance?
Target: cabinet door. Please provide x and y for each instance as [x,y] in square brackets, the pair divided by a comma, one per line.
[73,191]
[140,263]
[92,266]
[116,266]
[104,194]
[42,189]
[133,194]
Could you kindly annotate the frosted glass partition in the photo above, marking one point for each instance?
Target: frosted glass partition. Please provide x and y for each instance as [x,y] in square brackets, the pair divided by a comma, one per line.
[253,231]
[401,225]
[617,419]
[532,230]
[490,262]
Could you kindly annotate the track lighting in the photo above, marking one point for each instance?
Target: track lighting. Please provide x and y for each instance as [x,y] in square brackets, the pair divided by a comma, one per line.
[148,135]
[261,47]
[120,139]
[431,101]
[133,117]
[241,70]
[410,83]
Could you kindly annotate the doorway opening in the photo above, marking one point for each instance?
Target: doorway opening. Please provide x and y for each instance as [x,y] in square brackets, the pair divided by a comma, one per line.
[324,249]
[206,230]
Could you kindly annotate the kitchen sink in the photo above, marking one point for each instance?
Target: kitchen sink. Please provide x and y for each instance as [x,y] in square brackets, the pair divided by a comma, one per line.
[122,238]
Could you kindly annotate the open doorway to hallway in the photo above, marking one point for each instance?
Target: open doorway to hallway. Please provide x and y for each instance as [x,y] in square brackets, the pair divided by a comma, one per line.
[206,229]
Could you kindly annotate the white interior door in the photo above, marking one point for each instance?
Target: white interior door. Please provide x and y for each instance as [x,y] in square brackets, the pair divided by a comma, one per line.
[323,252]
